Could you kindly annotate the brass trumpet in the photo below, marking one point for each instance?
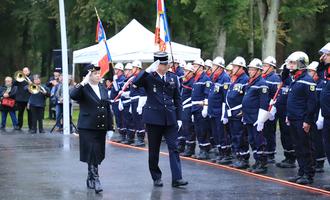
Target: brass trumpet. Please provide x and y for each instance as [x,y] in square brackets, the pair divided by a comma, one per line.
[20,77]
[35,89]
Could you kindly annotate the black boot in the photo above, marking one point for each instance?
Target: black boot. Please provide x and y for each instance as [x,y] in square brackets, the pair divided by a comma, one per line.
[203,154]
[97,183]
[260,168]
[219,156]
[90,181]
[123,136]
[190,150]
[140,140]
[241,164]
[181,145]
[227,158]
[130,137]
[286,163]
[319,166]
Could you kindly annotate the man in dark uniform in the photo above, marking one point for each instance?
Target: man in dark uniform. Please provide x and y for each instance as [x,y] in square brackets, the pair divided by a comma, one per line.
[162,115]
[93,121]
[22,98]
[300,111]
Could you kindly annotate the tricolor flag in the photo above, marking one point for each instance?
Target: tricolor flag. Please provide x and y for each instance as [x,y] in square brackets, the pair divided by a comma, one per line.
[162,34]
[104,53]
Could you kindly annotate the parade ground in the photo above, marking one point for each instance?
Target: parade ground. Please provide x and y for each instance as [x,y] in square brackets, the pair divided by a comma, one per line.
[47,166]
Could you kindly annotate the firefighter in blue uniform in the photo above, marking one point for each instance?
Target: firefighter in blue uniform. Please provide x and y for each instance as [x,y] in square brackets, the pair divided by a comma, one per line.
[201,88]
[301,108]
[208,71]
[273,81]
[216,110]
[138,100]
[118,82]
[281,105]
[324,118]
[233,114]
[162,116]
[316,128]
[255,114]
[187,136]
[125,106]
[177,67]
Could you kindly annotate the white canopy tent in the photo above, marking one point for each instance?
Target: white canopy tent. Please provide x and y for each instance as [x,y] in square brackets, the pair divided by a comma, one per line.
[131,43]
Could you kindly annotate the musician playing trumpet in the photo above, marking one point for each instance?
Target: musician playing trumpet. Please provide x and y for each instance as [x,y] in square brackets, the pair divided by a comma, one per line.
[7,97]
[36,103]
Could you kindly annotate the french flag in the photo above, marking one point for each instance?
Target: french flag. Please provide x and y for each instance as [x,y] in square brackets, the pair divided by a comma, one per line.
[104,53]
[162,34]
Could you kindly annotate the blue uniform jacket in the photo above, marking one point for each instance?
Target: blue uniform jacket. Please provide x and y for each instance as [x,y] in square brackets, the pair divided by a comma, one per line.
[126,101]
[302,99]
[186,92]
[217,94]
[325,94]
[136,92]
[163,106]
[256,97]
[200,91]
[282,98]
[273,81]
[119,84]
[94,112]
[319,85]
[38,100]
[235,96]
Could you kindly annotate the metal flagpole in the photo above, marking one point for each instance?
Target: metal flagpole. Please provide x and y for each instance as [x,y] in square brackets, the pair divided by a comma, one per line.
[66,111]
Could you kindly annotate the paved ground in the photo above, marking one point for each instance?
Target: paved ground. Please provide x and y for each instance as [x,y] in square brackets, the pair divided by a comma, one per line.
[46,166]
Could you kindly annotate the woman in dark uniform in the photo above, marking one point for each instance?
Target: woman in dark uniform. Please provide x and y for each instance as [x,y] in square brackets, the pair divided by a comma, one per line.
[93,121]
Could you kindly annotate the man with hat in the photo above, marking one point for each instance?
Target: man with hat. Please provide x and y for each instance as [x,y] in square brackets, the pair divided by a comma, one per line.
[216,110]
[177,67]
[273,81]
[93,100]
[138,100]
[162,116]
[118,82]
[255,114]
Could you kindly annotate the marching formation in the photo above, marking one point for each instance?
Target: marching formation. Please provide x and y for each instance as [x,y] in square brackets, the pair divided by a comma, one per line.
[230,109]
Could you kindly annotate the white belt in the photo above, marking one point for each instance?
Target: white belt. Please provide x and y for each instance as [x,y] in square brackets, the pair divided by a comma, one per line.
[234,108]
[187,105]
[126,101]
[186,101]
[136,97]
[112,101]
[197,103]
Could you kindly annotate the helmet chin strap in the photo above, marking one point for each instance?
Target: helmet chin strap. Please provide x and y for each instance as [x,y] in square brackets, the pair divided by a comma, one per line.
[236,71]
[254,75]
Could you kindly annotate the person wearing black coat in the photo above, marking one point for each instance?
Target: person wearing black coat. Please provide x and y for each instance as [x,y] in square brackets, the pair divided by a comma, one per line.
[93,123]
[8,91]
[22,98]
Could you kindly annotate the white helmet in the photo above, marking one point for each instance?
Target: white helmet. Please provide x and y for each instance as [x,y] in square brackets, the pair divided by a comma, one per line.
[199,61]
[119,66]
[300,57]
[137,63]
[255,63]
[128,66]
[208,63]
[240,61]
[325,49]
[189,67]
[270,60]
[182,63]
[313,66]
[219,61]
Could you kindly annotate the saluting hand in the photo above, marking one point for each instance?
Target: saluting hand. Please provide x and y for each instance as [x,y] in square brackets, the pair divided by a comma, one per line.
[86,79]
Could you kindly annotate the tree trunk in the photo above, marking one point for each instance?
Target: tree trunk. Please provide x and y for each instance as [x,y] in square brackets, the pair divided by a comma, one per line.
[268,12]
[221,43]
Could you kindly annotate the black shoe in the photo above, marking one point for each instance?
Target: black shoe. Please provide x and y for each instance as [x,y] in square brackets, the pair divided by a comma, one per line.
[33,131]
[139,143]
[178,183]
[158,183]
[294,179]
[188,152]
[42,131]
[216,159]
[271,160]
[203,155]
[260,169]
[286,163]
[241,164]
[305,180]
[181,147]
[226,160]
[17,128]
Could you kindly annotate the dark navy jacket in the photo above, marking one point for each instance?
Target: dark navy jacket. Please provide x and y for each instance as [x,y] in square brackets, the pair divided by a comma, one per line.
[273,81]
[22,94]
[302,99]
[163,106]
[217,94]
[38,100]
[200,92]
[119,83]
[282,98]
[325,95]
[94,112]
[235,96]
[186,93]
[319,85]
[126,101]
[256,97]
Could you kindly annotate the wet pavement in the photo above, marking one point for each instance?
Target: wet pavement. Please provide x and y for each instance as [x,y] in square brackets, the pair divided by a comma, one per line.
[46,166]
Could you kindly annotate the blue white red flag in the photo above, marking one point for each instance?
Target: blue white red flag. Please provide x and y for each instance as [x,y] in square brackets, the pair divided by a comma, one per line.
[162,34]
[103,49]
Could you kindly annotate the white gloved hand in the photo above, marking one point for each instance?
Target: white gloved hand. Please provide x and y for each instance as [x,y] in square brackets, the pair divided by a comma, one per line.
[192,118]
[86,79]
[141,103]
[224,121]
[120,106]
[153,67]
[130,109]
[272,113]
[223,118]
[115,77]
[179,124]
[263,116]
[260,126]
[320,121]
[287,121]
[126,94]
[204,111]
[139,110]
